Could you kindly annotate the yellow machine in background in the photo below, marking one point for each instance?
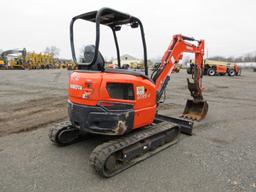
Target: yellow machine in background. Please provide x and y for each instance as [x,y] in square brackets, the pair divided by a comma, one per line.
[40,61]
[2,65]
[16,63]
[31,61]
[20,59]
[17,60]
[65,64]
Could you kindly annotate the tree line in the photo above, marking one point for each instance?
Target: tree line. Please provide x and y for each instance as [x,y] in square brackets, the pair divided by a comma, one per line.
[246,58]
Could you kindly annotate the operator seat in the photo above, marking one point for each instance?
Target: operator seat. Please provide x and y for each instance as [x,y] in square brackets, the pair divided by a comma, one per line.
[99,64]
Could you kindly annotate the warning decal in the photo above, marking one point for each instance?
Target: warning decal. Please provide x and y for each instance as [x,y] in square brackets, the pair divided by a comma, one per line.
[140,90]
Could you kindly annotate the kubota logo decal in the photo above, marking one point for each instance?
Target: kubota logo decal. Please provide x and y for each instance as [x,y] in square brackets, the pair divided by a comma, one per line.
[76,87]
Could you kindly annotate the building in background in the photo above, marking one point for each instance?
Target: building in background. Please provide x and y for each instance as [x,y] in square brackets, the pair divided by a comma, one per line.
[128,61]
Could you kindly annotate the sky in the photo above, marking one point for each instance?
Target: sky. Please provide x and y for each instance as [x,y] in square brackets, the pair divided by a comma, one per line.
[227,26]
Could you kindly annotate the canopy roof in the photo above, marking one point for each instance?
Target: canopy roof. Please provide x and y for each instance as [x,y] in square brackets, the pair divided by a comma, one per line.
[109,17]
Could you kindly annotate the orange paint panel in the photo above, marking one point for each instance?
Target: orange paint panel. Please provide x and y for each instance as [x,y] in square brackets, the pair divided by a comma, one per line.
[144,116]
[84,87]
[148,99]
[94,86]
[221,69]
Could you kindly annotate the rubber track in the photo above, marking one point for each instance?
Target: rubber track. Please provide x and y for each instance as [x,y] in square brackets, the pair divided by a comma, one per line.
[53,131]
[101,153]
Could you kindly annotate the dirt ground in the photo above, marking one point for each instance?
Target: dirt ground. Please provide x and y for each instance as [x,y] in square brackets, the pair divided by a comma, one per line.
[220,156]
[30,99]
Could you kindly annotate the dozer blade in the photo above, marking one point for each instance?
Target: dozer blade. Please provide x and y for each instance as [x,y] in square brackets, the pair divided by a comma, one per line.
[195,110]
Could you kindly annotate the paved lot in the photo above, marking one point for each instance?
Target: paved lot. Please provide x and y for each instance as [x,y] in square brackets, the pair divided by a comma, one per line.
[220,156]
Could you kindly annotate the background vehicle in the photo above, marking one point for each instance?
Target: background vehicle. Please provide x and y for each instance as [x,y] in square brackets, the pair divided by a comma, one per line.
[2,64]
[40,61]
[17,61]
[213,68]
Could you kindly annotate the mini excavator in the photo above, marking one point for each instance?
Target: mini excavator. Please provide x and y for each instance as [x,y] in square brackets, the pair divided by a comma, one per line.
[123,104]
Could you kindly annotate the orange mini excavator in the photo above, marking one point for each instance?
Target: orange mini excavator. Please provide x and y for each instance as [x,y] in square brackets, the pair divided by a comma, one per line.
[123,104]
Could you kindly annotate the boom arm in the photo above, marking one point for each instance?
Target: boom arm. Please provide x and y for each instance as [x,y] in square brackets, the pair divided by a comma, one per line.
[173,54]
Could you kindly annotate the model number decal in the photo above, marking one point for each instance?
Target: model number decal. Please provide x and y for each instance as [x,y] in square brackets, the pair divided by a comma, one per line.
[144,96]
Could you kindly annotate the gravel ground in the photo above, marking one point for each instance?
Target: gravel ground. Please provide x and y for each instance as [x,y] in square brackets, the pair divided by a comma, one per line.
[220,156]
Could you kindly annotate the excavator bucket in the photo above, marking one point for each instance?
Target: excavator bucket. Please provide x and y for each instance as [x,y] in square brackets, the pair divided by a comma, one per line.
[195,110]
